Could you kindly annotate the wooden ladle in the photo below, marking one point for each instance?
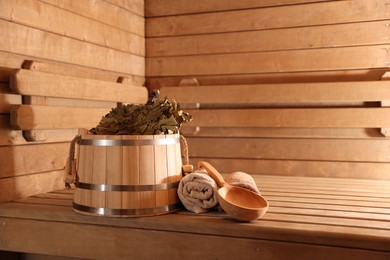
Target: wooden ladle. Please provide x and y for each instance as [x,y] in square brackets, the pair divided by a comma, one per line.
[237,202]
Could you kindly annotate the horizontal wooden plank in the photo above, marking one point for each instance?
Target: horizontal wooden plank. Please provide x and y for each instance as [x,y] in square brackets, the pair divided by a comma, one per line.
[8,136]
[286,61]
[351,34]
[28,117]
[35,83]
[174,7]
[160,244]
[10,62]
[59,21]
[66,102]
[103,11]
[349,170]
[79,71]
[341,183]
[293,117]
[274,132]
[32,42]
[19,160]
[28,185]
[291,149]
[272,77]
[135,6]
[281,93]
[269,18]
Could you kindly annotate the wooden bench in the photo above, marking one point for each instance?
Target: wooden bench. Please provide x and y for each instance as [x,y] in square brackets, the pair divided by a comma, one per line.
[308,218]
[289,136]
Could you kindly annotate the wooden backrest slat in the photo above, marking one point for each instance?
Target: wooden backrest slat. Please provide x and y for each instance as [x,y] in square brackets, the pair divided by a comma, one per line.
[363,91]
[36,83]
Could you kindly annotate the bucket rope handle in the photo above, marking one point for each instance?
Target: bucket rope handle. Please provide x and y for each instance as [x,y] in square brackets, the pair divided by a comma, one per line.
[70,168]
[186,159]
[70,174]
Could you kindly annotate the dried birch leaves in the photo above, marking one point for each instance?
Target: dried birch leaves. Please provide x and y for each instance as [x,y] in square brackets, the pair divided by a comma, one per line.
[157,116]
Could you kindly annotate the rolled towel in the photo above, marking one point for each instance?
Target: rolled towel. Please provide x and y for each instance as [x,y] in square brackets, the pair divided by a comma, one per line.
[243,180]
[198,192]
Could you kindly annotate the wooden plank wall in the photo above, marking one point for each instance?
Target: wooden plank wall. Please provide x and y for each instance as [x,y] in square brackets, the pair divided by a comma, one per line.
[93,39]
[255,42]
[245,42]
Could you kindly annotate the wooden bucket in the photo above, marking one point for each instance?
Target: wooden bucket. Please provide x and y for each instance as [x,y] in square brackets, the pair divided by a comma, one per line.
[128,176]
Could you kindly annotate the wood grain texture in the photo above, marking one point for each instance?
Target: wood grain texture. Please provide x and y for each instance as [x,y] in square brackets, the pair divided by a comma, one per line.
[174,7]
[105,12]
[45,45]
[49,18]
[28,117]
[274,132]
[291,149]
[27,159]
[326,36]
[293,117]
[35,83]
[135,6]
[272,78]
[288,61]
[330,12]
[269,94]
[28,185]
[308,217]
[328,169]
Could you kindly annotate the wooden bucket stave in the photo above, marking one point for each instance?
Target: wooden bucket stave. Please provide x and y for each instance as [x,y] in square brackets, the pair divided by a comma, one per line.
[128,176]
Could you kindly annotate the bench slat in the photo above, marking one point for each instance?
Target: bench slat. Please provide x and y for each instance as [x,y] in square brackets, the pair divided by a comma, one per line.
[27,117]
[27,82]
[281,93]
[335,150]
[293,117]
[293,217]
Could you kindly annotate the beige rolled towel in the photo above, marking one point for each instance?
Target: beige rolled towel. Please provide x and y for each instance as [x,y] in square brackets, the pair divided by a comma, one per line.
[198,192]
[243,180]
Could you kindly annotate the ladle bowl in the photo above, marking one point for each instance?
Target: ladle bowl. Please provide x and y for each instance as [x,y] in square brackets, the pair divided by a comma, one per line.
[237,202]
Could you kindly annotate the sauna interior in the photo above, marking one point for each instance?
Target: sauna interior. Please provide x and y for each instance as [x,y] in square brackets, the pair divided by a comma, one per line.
[293,92]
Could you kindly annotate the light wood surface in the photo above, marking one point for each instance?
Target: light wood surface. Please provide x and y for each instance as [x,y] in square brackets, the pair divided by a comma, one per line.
[26,117]
[333,35]
[265,18]
[56,20]
[35,83]
[292,61]
[172,7]
[308,217]
[93,55]
[106,12]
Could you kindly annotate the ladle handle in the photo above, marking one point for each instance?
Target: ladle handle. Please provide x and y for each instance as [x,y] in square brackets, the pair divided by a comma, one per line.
[213,173]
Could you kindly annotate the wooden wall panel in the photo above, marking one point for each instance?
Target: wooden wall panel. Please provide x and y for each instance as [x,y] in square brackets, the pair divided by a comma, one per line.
[93,46]
[223,45]
[250,42]
[104,11]
[135,6]
[53,19]
[174,7]
[322,13]
[37,43]
[334,35]
[323,59]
